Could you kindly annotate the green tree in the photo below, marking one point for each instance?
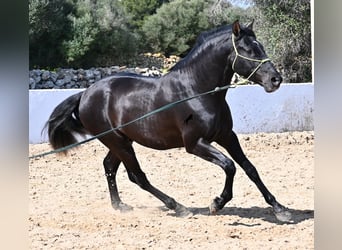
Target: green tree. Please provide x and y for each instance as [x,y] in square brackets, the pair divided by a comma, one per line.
[175,26]
[138,10]
[49,27]
[79,33]
[100,35]
[286,26]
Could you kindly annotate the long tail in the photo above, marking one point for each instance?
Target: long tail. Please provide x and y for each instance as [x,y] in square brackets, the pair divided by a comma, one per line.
[64,123]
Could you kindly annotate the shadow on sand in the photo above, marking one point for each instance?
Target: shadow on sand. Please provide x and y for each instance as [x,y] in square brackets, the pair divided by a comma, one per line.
[262,213]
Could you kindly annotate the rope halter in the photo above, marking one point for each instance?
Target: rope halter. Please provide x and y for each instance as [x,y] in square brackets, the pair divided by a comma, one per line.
[260,61]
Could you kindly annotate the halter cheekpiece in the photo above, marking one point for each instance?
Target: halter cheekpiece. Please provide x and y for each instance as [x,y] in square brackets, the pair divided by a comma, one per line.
[260,61]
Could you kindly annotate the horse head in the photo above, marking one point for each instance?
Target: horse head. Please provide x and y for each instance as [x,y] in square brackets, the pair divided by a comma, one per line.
[249,58]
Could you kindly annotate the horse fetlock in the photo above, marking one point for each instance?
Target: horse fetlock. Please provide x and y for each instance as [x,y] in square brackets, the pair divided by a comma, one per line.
[171,203]
[277,207]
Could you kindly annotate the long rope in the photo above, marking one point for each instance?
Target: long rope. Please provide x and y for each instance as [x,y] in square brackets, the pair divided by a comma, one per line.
[165,107]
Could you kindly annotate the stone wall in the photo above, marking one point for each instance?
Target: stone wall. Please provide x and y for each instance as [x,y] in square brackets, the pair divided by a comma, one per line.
[79,78]
[153,65]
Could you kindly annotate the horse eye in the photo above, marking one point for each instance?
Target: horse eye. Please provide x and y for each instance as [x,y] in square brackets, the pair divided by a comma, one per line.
[255,44]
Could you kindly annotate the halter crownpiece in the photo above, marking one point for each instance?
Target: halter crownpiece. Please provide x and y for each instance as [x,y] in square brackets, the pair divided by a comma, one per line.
[260,61]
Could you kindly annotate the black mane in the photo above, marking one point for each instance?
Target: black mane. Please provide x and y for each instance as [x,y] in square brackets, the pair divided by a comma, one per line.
[204,40]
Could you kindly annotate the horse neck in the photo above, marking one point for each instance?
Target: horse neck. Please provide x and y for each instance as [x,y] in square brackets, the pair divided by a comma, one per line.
[210,70]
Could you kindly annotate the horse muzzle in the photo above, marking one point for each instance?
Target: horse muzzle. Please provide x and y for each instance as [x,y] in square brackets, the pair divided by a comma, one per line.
[273,84]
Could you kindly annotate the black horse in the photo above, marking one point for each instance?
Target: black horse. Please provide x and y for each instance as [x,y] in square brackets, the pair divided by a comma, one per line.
[194,125]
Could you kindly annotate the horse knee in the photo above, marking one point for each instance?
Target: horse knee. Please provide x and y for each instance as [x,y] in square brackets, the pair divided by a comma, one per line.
[229,167]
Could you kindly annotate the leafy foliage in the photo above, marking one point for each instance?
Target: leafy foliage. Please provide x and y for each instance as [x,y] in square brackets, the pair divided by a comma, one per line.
[49,27]
[139,10]
[286,26]
[100,34]
[175,26]
[88,33]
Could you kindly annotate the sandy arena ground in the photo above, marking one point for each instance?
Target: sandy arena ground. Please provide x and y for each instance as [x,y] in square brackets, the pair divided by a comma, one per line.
[69,205]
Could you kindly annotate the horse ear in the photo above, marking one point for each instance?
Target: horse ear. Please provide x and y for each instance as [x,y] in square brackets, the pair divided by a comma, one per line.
[250,26]
[236,28]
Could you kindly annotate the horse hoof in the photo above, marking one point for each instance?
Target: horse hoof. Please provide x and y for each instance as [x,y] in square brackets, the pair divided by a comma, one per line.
[213,208]
[182,211]
[283,216]
[122,207]
[216,205]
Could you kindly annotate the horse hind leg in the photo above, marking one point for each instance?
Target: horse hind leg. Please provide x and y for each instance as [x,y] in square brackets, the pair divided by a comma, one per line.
[140,179]
[122,148]
[137,176]
[111,164]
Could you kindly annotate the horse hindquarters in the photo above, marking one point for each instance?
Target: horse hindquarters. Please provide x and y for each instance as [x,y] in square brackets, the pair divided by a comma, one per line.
[64,122]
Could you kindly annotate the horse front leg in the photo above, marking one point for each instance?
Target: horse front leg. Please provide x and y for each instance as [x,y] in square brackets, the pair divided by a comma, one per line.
[204,150]
[234,149]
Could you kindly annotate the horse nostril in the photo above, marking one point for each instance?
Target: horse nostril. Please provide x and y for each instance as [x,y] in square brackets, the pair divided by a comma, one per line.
[276,80]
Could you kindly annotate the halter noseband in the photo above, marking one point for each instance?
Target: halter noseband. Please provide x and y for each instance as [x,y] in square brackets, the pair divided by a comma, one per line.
[247,58]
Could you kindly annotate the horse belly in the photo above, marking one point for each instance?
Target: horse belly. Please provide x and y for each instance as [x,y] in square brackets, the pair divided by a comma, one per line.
[161,144]
[154,133]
